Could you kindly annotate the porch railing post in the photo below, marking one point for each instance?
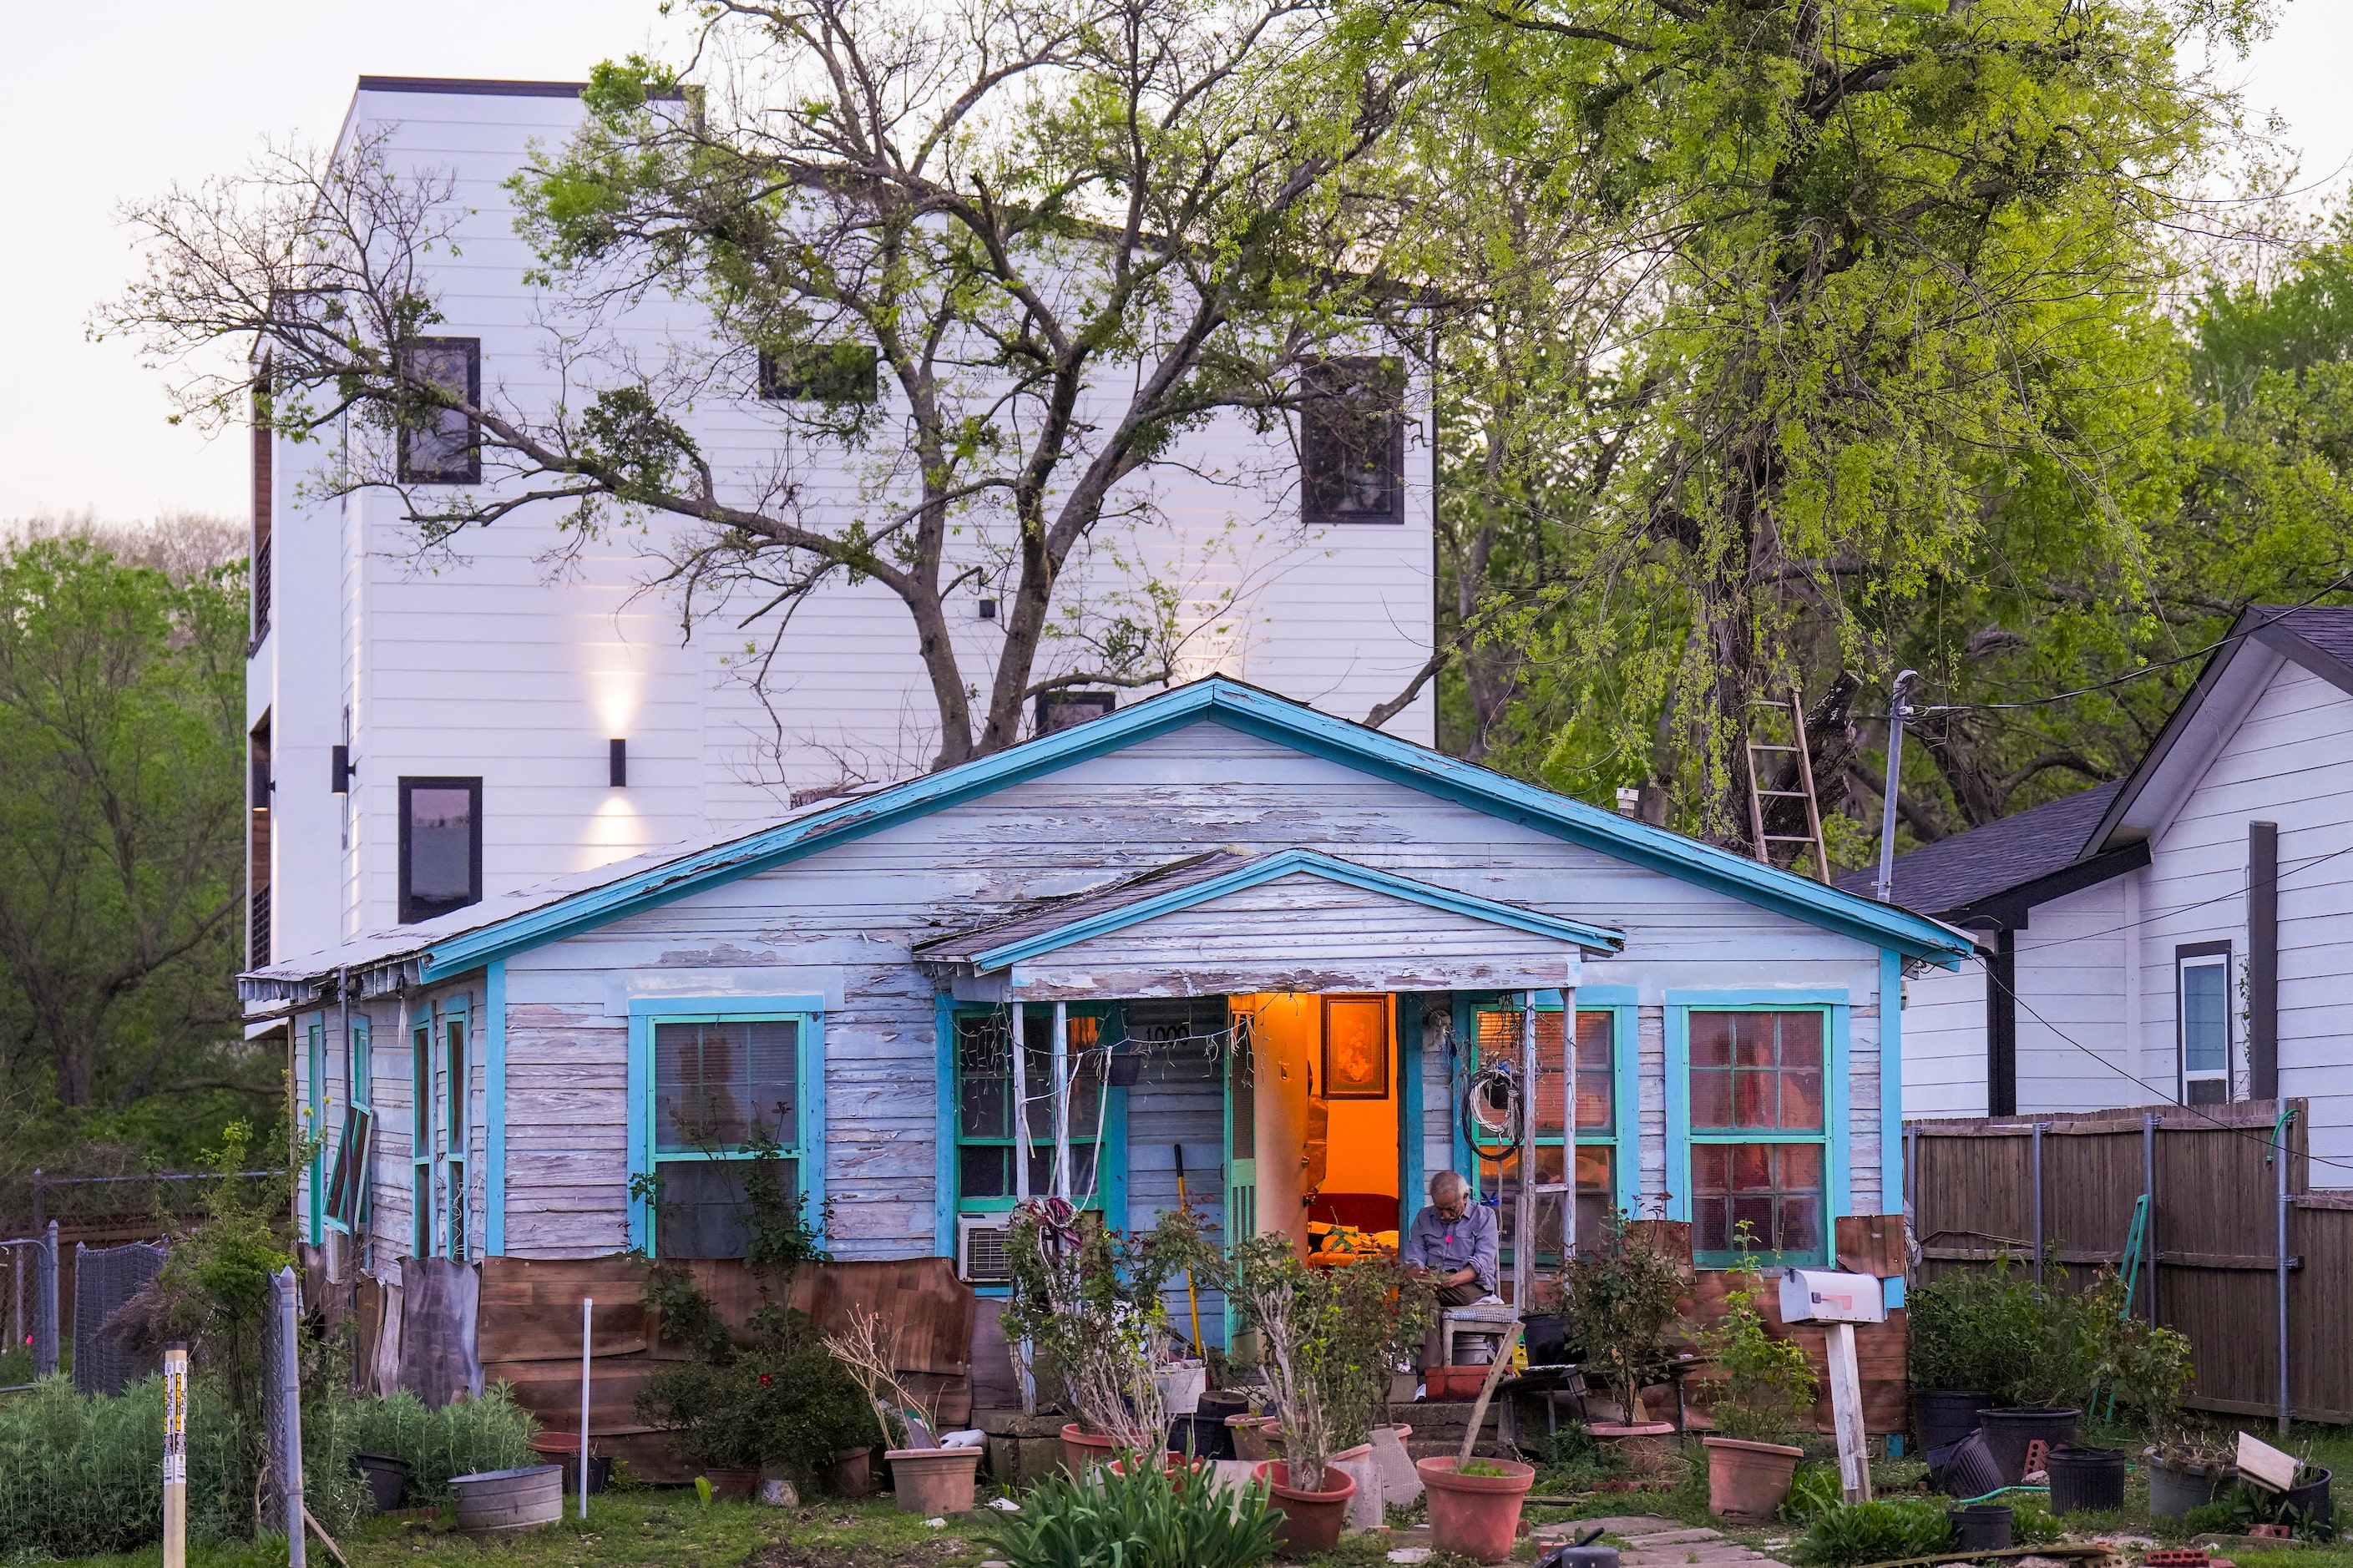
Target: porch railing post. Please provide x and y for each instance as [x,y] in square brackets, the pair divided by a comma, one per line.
[1062,1100]
[1524,1223]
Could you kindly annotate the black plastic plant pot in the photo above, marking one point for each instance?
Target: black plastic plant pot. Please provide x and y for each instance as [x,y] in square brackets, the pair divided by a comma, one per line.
[1984,1526]
[386,1477]
[2174,1489]
[2008,1433]
[2086,1481]
[1943,1416]
[2311,1497]
[1966,1470]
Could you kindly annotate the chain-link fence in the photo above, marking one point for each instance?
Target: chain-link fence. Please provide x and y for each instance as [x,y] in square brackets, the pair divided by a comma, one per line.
[32,1264]
[281,1360]
[105,1279]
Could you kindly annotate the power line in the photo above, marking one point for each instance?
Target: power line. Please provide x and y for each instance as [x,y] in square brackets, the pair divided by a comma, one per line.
[2167,914]
[2161,1096]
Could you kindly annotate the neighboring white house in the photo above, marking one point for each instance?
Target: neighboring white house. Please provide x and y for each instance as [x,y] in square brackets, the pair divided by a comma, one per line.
[524,709]
[2184,935]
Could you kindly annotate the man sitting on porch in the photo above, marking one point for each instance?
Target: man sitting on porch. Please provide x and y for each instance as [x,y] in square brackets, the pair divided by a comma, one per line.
[1452,1246]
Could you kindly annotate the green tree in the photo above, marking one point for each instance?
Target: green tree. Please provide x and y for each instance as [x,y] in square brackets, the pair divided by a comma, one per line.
[122,825]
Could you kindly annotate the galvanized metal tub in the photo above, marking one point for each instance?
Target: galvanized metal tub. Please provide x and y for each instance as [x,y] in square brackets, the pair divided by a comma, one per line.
[507,1502]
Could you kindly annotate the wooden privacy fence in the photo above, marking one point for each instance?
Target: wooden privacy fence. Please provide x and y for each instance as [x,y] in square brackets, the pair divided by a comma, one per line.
[2057,1193]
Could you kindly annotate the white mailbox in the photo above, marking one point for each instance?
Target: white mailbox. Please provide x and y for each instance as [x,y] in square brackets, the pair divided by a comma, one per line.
[1825,1296]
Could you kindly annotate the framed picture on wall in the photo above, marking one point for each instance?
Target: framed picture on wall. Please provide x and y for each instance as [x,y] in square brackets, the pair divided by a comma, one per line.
[1356,1047]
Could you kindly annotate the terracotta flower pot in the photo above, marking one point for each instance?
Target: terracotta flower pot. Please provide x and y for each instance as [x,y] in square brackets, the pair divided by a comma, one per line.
[1081,1451]
[1448,1383]
[1475,1516]
[1746,1482]
[934,1480]
[1644,1445]
[853,1473]
[1310,1520]
[1250,1435]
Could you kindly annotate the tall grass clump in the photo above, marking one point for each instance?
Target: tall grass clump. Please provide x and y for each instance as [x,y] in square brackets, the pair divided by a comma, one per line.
[492,1433]
[82,1475]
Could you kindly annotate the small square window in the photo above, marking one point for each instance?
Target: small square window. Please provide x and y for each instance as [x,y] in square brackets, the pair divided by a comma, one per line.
[443,446]
[1351,441]
[440,846]
[821,372]
[1061,710]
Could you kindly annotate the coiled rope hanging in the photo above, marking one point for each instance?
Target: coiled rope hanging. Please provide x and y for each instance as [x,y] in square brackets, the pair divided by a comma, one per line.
[1491,1111]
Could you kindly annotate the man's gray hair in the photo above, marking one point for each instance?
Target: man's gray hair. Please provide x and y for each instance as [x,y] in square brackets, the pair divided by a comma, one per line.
[1445,1183]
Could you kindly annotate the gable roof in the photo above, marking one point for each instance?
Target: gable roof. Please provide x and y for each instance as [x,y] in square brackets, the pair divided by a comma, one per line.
[1947,878]
[2001,871]
[470,937]
[1200,879]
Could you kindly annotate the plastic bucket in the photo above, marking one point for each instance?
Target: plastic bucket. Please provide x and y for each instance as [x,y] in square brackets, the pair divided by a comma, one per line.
[1984,1526]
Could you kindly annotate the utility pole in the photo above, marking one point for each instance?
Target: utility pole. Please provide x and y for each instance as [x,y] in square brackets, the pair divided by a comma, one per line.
[1899,709]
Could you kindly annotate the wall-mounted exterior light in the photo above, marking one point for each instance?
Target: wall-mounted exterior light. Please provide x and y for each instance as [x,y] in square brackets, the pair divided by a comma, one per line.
[258,786]
[617,762]
[341,770]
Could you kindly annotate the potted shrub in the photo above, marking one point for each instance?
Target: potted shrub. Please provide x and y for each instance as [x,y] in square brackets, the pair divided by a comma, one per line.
[1088,1301]
[1762,1392]
[1959,1333]
[2049,1353]
[1295,1310]
[1621,1298]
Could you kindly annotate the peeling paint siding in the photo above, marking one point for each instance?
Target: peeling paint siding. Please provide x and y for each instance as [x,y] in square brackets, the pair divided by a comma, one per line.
[860,906]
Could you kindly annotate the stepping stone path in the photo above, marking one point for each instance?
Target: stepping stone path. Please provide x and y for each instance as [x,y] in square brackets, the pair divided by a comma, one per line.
[1654,1542]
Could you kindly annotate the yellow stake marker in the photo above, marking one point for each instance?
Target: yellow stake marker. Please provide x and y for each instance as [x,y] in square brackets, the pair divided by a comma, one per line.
[176,1455]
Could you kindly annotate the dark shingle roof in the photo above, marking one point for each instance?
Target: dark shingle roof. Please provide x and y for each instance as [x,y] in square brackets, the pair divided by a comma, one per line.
[1968,868]
[2328,627]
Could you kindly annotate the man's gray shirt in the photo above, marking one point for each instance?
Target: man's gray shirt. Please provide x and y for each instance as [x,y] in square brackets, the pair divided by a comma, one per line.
[1444,1246]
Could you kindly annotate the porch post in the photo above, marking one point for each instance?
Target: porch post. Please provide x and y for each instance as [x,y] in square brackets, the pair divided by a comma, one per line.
[1062,1100]
[1524,1225]
[1020,1107]
[1568,1118]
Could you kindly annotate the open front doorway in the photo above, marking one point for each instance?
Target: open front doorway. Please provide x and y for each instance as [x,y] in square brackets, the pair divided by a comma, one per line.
[1315,1102]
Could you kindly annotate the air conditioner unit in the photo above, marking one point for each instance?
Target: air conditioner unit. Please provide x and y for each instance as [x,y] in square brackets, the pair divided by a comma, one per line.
[981,1243]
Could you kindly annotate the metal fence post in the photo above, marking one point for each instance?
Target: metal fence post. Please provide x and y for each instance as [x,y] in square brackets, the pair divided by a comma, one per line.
[45,1306]
[2149,1122]
[289,1429]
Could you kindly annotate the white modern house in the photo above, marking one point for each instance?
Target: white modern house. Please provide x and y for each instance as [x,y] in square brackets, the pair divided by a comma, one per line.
[2184,935]
[429,731]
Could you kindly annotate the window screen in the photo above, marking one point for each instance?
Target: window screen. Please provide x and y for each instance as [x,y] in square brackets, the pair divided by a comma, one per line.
[720,1086]
[1760,1134]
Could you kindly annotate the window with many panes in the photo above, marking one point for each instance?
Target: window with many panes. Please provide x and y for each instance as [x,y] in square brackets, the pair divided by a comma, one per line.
[987,1142]
[1759,1134]
[347,1179]
[725,1089]
[1586,1089]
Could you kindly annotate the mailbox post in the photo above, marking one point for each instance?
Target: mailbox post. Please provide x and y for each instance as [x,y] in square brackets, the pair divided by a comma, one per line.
[1838,1301]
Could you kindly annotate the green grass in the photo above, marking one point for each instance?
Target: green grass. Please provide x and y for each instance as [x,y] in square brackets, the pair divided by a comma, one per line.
[651,1529]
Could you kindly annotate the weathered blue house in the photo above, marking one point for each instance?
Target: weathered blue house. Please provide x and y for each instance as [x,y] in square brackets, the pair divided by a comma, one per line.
[1221,921]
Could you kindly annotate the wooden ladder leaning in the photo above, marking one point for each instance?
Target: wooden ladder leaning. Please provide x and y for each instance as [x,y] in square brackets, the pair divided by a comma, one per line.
[1758,795]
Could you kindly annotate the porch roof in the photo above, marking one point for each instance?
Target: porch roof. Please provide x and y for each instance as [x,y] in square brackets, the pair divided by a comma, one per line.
[1296,920]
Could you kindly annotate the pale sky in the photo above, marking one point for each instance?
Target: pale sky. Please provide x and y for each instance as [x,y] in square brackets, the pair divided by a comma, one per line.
[106,103]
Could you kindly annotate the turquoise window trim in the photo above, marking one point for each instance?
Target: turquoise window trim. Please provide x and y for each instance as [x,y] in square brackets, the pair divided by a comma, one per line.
[1624,1138]
[494,1108]
[421,1198]
[1110,1152]
[810,1148]
[315,1066]
[1835,1137]
[1891,1081]
[457,1118]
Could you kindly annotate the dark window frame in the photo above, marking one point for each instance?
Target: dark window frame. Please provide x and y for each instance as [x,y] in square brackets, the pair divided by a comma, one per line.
[1068,708]
[850,373]
[471,473]
[1322,449]
[2183,953]
[409,912]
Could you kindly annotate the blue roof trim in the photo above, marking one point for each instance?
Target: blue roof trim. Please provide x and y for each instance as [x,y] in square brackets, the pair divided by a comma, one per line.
[1252,711]
[1284,863]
